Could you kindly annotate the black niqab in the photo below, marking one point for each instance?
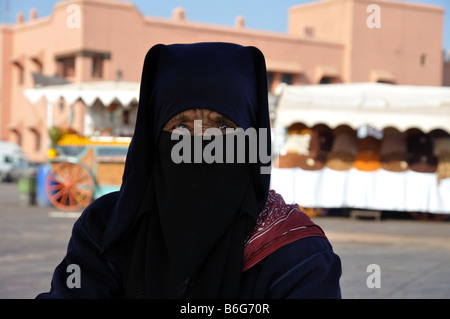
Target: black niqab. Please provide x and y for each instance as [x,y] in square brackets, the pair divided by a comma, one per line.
[182,227]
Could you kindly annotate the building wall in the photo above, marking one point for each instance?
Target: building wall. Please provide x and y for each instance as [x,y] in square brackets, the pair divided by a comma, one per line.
[114,24]
[406,47]
[330,20]
[5,76]
[94,40]
[408,44]
[446,74]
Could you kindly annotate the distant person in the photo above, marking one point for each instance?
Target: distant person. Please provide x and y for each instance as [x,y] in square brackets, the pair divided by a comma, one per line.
[196,229]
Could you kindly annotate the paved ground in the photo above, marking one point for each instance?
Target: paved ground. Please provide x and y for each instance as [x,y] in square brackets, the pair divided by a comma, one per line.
[413,256]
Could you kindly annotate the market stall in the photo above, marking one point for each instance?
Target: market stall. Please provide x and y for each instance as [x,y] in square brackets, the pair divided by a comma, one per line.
[87,161]
[104,104]
[356,104]
[364,146]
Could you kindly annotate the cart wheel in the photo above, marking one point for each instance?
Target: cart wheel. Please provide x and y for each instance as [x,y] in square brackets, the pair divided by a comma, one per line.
[69,186]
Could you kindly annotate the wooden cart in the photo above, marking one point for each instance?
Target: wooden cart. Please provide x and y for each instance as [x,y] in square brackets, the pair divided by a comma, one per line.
[85,169]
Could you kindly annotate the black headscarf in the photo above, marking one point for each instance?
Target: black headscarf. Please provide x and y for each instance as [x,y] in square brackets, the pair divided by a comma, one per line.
[182,227]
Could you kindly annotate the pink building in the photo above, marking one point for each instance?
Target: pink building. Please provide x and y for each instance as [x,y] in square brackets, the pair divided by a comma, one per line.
[97,40]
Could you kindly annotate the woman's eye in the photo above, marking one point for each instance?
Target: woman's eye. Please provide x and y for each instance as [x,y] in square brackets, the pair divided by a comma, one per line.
[180,129]
[223,127]
[178,126]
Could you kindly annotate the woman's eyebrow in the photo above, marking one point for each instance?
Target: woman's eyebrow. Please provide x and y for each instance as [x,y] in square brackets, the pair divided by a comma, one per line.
[182,117]
[223,119]
[179,118]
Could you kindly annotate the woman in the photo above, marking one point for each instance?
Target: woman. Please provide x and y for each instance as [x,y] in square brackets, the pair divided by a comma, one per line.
[196,229]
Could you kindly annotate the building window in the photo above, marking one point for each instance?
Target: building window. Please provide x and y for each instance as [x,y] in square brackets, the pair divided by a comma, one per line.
[423,59]
[66,67]
[325,80]
[329,80]
[38,67]
[20,73]
[386,82]
[18,136]
[97,67]
[37,139]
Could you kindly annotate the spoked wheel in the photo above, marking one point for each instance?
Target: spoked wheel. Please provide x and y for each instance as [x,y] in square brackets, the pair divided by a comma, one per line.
[69,186]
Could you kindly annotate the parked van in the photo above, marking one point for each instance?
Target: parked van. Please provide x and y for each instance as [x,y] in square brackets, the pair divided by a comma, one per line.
[13,161]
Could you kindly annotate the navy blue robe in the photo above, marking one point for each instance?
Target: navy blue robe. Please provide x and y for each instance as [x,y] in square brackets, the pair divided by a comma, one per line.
[306,268]
[231,80]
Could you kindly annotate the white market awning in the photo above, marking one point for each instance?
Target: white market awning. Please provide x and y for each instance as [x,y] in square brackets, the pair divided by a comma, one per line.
[357,104]
[105,91]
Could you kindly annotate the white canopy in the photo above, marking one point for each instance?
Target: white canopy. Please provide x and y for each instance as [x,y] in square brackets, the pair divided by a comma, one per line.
[357,104]
[105,91]
[407,191]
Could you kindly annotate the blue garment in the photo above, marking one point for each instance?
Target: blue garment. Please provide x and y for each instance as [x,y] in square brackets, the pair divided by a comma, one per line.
[140,242]
[177,246]
[306,268]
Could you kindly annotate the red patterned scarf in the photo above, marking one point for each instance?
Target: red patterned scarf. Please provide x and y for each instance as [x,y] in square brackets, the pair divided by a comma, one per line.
[278,224]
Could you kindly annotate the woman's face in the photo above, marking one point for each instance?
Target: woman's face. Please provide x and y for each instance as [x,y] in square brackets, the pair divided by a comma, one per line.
[209,119]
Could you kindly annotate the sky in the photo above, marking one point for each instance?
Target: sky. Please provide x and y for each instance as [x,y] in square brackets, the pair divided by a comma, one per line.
[270,15]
